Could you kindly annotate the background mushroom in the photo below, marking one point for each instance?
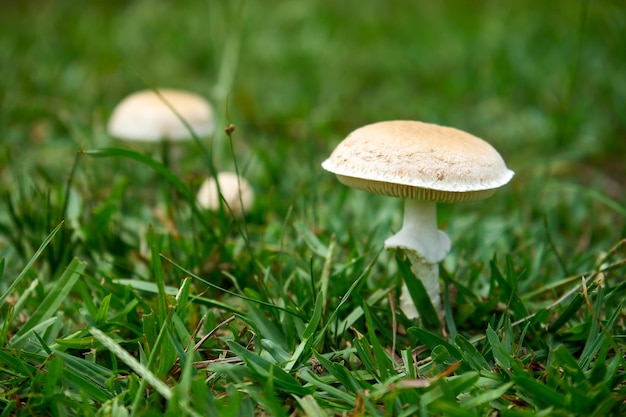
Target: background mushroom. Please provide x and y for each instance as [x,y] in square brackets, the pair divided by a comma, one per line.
[146,116]
[237,193]
[424,164]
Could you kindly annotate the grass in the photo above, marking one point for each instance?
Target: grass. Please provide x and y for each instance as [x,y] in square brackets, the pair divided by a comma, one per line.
[118,296]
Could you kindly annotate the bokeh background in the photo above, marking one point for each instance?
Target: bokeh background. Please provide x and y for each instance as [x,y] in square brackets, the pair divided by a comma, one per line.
[543,81]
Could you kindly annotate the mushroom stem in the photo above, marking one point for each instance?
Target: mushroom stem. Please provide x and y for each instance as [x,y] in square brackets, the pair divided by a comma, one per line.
[425,246]
[429,275]
[419,232]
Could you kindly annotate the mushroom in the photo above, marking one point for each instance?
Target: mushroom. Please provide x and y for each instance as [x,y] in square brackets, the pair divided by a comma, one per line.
[146,116]
[235,190]
[424,164]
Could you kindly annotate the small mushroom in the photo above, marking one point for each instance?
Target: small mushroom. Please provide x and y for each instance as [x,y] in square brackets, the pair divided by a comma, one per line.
[424,164]
[235,190]
[146,116]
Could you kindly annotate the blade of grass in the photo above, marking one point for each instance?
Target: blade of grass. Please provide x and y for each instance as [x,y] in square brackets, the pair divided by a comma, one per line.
[131,362]
[269,399]
[22,340]
[364,353]
[183,297]
[593,345]
[346,297]
[154,354]
[508,286]
[162,170]
[280,355]
[15,364]
[30,263]
[56,296]
[554,248]
[340,373]
[409,364]
[325,277]
[357,313]
[146,286]
[89,377]
[234,294]
[264,368]
[418,293]
[242,225]
[155,165]
[103,310]
[447,307]
[313,380]
[487,396]
[431,340]
[266,326]
[385,366]
[445,390]
[572,309]
[471,355]
[8,408]
[151,287]
[540,394]
[307,336]
[156,268]
[500,354]
[310,406]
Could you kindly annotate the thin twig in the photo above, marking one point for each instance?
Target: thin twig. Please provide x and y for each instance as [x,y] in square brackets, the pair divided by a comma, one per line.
[212,332]
[588,302]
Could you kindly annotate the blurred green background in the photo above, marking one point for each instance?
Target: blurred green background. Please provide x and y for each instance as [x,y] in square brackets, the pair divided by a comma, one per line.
[542,81]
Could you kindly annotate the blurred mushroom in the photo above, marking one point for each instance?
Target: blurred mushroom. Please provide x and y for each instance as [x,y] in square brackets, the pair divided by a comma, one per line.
[146,116]
[236,191]
[424,164]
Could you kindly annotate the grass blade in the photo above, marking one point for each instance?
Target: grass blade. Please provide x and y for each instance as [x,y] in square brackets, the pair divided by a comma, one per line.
[156,268]
[56,296]
[420,297]
[310,407]
[385,366]
[431,340]
[471,355]
[243,297]
[500,354]
[486,396]
[264,369]
[157,166]
[313,380]
[307,335]
[131,362]
[30,263]
[86,376]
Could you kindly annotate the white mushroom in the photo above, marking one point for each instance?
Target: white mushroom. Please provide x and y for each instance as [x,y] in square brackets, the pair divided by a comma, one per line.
[424,164]
[146,116]
[236,191]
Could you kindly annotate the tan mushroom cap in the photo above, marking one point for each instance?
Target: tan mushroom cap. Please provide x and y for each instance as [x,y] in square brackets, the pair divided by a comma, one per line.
[144,116]
[425,161]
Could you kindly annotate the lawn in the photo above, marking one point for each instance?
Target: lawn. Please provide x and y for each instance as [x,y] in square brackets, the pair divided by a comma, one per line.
[120,296]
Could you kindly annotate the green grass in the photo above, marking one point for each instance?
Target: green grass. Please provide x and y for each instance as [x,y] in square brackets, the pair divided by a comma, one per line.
[118,296]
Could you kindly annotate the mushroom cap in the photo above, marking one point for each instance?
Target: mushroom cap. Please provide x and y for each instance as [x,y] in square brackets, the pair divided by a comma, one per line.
[144,116]
[411,159]
[230,186]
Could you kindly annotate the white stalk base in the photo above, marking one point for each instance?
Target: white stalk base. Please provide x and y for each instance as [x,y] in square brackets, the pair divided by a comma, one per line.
[419,232]
[425,246]
[429,275]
